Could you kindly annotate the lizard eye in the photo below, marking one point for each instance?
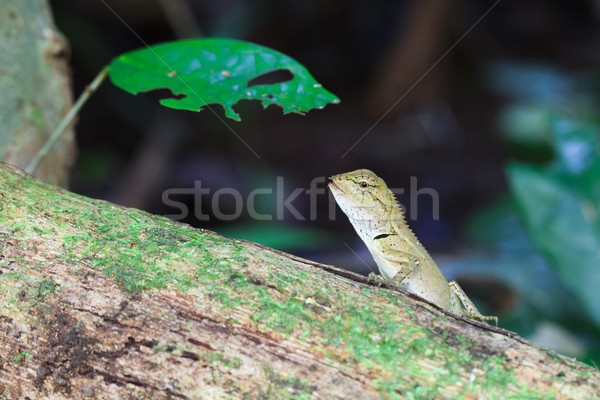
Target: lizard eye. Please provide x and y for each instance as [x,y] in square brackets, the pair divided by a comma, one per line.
[364,184]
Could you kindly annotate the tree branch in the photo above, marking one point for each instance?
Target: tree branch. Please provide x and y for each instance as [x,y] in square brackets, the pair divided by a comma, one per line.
[97,300]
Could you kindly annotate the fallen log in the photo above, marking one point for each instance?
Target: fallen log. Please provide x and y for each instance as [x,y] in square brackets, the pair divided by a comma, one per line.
[102,301]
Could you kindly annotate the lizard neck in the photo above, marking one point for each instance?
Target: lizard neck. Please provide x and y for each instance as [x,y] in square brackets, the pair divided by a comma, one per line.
[401,228]
[368,229]
[387,223]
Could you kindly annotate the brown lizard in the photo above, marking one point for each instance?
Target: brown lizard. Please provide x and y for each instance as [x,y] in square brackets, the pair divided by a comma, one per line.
[401,258]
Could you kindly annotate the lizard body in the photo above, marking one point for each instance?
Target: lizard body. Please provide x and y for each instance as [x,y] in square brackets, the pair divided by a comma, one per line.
[402,260]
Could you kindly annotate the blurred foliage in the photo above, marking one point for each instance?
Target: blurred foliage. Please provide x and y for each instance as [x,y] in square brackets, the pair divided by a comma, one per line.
[274,234]
[551,123]
[207,71]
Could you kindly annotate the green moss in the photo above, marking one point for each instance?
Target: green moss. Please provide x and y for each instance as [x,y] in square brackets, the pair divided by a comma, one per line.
[233,363]
[41,231]
[283,387]
[496,375]
[21,356]
[46,286]
[138,262]
[161,348]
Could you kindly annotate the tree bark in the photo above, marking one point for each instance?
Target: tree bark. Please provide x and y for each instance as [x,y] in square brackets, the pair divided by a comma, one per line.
[101,301]
[36,88]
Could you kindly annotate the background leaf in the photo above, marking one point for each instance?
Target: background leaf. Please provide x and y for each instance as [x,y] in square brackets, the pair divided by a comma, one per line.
[208,71]
[556,218]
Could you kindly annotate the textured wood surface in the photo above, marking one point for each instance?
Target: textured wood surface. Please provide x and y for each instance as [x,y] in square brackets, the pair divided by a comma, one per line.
[100,301]
[36,88]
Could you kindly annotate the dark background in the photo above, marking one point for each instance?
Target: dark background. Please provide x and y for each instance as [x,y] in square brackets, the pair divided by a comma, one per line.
[451,74]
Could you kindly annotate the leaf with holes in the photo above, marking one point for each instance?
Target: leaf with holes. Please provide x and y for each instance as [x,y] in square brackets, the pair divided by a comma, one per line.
[223,71]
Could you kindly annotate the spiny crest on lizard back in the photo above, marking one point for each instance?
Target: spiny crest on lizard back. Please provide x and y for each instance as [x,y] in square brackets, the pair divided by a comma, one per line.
[363,195]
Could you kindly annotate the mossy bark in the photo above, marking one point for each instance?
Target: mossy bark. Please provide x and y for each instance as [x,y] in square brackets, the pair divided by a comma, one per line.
[101,301]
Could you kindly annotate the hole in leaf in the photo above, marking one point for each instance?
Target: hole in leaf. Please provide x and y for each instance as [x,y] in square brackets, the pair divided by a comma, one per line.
[271,78]
[159,94]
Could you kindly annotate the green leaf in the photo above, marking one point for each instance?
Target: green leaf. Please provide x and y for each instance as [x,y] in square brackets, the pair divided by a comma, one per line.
[209,71]
[556,216]
[499,245]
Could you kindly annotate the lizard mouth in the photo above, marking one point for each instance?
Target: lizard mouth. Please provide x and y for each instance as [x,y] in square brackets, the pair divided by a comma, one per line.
[333,185]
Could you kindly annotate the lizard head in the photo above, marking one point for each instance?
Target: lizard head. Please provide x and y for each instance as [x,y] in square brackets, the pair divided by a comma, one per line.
[362,195]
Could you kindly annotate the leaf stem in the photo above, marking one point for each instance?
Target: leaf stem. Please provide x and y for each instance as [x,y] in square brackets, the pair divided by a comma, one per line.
[66,121]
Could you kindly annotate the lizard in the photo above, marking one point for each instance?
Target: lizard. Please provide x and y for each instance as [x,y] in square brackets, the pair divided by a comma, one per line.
[401,259]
